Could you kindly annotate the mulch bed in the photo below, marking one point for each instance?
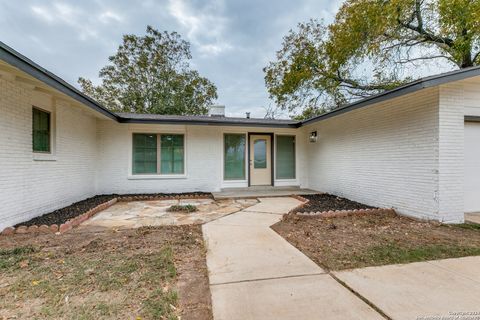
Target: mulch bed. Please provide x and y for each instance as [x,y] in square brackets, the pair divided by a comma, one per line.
[372,239]
[327,202]
[64,214]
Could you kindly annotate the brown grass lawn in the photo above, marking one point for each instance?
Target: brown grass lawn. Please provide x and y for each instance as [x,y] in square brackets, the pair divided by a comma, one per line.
[370,240]
[147,273]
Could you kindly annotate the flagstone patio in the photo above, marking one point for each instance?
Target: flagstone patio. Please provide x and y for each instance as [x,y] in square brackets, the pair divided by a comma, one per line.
[137,214]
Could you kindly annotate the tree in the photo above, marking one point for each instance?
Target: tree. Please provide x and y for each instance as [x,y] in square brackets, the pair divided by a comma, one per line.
[372,46]
[151,74]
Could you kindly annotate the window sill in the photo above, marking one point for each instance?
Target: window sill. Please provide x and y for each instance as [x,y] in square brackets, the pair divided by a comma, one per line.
[156,177]
[44,157]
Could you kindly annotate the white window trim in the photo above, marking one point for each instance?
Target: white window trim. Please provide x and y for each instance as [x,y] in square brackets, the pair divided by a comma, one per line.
[157,176]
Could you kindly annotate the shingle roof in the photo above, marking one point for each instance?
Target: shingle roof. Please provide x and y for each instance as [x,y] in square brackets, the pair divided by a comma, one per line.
[26,65]
[206,120]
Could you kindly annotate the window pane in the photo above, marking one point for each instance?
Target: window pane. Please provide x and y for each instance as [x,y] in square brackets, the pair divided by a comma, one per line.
[40,130]
[172,154]
[285,157]
[260,154]
[144,153]
[234,157]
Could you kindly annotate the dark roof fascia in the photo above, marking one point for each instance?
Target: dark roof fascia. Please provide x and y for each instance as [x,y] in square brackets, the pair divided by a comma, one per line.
[400,91]
[21,62]
[472,118]
[206,122]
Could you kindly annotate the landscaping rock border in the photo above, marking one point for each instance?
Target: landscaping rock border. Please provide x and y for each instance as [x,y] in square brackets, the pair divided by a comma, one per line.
[74,222]
[336,213]
[304,201]
[345,213]
[64,227]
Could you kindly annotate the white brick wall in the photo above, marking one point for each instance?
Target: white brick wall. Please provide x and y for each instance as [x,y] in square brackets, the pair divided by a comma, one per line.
[383,155]
[451,152]
[28,187]
[204,158]
[406,153]
[471,96]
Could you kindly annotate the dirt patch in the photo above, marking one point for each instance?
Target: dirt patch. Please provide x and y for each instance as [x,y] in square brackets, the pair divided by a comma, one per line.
[327,202]
[64,214]
[147,273]
[376,239]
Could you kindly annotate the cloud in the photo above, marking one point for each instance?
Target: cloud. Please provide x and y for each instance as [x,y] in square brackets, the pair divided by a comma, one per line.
[81,20]
[109,16]
[204,26]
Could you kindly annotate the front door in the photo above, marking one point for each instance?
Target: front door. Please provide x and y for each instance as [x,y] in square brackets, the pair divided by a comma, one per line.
[260,160]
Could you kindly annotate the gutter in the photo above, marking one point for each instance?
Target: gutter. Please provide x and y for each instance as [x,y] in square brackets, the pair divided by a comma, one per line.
[208,123]
[21,62]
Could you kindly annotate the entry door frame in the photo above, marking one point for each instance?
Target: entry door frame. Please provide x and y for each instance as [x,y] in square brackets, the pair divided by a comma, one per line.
[272,154]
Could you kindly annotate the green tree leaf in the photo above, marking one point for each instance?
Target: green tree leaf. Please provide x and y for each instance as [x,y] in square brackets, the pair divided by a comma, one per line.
[372,46]
[151,74]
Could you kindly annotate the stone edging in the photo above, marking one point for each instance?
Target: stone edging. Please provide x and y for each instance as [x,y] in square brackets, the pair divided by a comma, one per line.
[301,205]
[345,213]
[64,227]
[127,198]
[74,222]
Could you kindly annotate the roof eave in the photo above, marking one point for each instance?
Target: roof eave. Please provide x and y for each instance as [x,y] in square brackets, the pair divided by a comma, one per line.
[391,94]
[22,63]
[207,123]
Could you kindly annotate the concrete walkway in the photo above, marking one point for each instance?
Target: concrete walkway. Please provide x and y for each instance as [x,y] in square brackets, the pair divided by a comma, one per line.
[422,290]
[256,274]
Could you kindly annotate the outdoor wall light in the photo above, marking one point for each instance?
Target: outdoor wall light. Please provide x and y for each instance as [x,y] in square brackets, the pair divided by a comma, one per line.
[313,136]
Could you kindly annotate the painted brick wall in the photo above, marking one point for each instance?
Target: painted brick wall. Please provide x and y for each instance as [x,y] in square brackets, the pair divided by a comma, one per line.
[29,187]
[204,162]
[451,151]
[383,155]
[471,96]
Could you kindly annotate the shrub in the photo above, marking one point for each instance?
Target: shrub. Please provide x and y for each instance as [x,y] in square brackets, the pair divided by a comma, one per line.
[182,208]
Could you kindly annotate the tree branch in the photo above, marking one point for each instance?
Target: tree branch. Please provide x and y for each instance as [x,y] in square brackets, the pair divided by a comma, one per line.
[475,57]
[419,28]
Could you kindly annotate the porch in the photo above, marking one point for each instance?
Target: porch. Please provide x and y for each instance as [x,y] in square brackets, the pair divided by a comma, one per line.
[260,191]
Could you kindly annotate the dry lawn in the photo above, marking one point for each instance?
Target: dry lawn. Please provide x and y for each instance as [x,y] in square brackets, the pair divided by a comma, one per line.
[370,240]
[146,273]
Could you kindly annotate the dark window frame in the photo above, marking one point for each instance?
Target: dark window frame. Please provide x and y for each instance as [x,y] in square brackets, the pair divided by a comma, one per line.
[158,171]
[294,156]
[244,156]
[49,132]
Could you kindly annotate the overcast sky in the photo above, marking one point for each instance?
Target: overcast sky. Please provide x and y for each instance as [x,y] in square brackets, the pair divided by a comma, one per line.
[232,40]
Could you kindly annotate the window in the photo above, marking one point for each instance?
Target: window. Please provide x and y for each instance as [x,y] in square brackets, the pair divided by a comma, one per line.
[40,130]
[172,154]
[285,157]
[260,154]
[158,153]
[234,157]
[144,153]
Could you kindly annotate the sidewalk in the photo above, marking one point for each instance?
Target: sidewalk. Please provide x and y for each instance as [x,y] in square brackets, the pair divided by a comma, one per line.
[256,274]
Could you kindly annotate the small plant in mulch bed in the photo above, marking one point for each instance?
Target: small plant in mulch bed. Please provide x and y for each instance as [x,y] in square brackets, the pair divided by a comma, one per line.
[187,208]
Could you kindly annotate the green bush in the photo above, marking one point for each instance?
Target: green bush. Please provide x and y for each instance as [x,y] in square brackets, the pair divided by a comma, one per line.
[182,208]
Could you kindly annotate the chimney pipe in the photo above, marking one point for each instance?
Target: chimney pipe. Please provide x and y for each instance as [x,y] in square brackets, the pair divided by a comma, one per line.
[248,115]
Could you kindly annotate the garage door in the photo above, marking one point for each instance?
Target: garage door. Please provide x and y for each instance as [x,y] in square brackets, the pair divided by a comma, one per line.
[472,167]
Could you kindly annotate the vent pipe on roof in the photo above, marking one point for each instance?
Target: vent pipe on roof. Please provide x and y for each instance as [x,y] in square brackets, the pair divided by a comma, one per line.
[216,111]
[248,115]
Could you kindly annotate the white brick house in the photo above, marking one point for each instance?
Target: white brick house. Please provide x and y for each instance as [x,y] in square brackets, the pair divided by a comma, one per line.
[415,148]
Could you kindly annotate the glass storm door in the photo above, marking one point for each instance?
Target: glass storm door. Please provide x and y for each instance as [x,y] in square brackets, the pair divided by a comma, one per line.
[260,160]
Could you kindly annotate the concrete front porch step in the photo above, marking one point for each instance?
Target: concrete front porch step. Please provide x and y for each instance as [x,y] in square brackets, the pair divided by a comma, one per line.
[260,192]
